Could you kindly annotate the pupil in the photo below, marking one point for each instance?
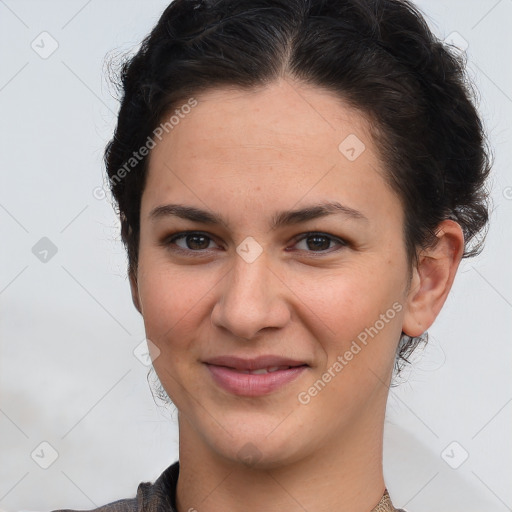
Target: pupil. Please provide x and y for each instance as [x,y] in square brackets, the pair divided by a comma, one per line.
[197,242]
[319,242]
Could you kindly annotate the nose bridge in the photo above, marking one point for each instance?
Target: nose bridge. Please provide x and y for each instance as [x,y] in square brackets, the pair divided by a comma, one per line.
[249,300]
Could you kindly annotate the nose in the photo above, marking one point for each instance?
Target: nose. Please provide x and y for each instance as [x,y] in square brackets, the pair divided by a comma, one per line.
[251,298]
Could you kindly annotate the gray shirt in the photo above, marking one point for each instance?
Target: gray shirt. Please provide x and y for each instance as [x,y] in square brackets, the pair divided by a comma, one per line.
[161,497]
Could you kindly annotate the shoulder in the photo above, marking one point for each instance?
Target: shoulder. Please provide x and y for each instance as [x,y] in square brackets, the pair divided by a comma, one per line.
[126,505]
[150,497]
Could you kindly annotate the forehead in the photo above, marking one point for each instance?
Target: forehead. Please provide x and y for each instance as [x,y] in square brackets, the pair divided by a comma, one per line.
[282,142]
[282,116]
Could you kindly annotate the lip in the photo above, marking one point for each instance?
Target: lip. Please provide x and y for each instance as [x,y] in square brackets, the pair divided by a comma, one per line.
[226,372]
[256,363]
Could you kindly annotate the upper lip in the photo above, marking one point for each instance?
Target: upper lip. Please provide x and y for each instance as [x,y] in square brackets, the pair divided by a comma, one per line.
[257,363]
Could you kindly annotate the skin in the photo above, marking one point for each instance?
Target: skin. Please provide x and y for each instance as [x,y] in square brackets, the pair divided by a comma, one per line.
[245,155]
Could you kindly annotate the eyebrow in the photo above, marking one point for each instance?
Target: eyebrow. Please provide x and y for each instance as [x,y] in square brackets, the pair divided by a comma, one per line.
[282,218]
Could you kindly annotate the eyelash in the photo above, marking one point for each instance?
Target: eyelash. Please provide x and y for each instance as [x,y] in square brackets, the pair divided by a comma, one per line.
[169,241]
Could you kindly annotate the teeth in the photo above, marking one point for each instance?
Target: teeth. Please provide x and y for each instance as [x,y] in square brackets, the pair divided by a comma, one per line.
[257,372]
[265,370]
[275,368]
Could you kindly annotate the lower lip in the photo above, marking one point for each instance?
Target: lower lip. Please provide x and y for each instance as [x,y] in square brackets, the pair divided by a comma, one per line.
[250,384]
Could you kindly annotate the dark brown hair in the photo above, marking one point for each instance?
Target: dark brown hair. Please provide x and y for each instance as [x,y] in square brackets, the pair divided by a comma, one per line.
[377,55]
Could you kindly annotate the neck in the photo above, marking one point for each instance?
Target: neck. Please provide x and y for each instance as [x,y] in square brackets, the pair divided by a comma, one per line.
[345,474]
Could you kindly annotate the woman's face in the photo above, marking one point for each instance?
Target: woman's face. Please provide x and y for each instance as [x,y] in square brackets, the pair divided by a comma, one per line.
[294,250]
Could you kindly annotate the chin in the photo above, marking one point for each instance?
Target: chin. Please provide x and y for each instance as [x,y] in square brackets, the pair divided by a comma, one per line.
[260,447]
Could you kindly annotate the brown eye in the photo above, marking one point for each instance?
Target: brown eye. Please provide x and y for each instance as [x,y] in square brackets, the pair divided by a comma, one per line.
[190,241]
[318,242]
[197,242]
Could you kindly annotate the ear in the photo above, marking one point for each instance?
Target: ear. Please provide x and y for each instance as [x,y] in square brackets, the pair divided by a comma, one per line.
[432,278]
[135,291]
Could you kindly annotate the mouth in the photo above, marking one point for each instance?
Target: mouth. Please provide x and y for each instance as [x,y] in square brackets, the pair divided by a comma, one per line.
[254,377]
[268,363]
[261,371]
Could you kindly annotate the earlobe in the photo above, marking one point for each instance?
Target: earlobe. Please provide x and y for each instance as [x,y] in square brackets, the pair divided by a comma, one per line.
[433,278]
[135,291]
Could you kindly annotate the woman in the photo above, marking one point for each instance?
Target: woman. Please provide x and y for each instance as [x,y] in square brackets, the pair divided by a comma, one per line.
[297,182]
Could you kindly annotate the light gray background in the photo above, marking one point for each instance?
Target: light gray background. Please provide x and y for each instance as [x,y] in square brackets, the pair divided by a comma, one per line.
[68,328]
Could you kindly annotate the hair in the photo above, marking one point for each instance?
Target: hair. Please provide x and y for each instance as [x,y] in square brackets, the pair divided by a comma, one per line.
[378,56]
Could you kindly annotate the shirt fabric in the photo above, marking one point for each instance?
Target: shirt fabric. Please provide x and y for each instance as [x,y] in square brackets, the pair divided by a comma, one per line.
[161,497]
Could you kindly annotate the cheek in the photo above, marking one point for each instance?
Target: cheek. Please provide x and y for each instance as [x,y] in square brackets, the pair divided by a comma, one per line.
[357,310]
[347,299]
[173,305]
[172,298]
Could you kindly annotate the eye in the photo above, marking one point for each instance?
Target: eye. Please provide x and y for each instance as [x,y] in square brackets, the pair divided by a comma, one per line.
[193,241]
[318,242]
[198,242]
